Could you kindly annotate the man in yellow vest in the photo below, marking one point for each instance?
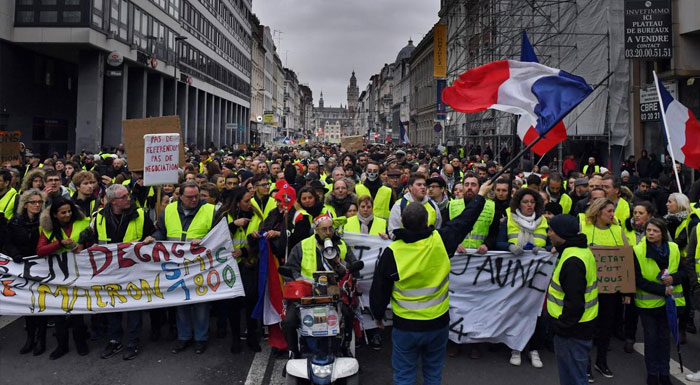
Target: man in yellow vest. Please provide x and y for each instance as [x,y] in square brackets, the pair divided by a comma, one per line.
[188,219]
[572,299]
[591,168]
[382,196]
[417,192]
[413,273]
[7,195]
[556,193]
[611,185]
[307,257]
[121,221]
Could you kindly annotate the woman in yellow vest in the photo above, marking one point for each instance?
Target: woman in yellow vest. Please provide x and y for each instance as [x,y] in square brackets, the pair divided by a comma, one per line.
[525,229]
[658,272]
[339,201]
[602,229]
[60,226]
[238,211]
[365,222]
[681,220]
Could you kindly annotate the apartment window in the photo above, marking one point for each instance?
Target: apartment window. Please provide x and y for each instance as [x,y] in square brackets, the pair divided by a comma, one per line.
[98,13]
[51,12]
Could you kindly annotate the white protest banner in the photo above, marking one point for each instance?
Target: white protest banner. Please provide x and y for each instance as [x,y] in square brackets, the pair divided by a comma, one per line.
[122,277]
[161,159]
[495,297]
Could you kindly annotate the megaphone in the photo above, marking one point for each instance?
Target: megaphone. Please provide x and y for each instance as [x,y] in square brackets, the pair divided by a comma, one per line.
[329,249]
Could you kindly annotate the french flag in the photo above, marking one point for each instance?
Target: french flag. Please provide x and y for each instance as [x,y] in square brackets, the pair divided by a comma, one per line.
[541,95]
[526,127]
[269,307]
[682,128]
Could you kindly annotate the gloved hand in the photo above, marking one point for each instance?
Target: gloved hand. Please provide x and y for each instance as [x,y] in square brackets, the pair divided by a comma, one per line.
[537,249]
[515,249]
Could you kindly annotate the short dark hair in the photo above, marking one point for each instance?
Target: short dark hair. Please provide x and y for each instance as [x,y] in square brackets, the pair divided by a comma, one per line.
[533,179]
[258,177]
[51,172]
[502,181]
[616,181]
[661,224]
[414,177]
[555,176]
[414,217]
[183,186]
[6,175]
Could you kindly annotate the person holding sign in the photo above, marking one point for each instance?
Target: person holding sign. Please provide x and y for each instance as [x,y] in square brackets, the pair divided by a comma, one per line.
[60,230]
[572,299]
[658,272]
[188,219]
[120,221]
[413,273]
[602,229]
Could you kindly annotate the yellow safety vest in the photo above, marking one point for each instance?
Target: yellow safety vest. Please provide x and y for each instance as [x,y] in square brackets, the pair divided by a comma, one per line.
[78,227]
[481,228]
[555,293]
[239,238]
[565,203]
[200,226]
[421,293]
[256,220]
[432,216]
[596,169]
[7,203]
[604,237]
[381,201]
[134,231]
[540,234]
[308,258]
[379,225]
[622,210]
[650,272]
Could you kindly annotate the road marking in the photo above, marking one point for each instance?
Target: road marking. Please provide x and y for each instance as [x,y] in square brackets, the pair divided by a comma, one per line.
[276,376]
[6,320]
[675,366]
[256,374]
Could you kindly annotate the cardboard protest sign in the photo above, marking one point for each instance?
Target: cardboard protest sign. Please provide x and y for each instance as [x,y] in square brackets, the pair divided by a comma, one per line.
[133,131]
[615,269]
[352,144]
[494,297]
[122,277]
[160,159]
[10,147]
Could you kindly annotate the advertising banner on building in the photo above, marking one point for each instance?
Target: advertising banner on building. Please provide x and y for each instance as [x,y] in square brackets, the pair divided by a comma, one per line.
[648,29]
[495,297]
[161,158]
[649,101]
[122,277]
[440,51]
[441,108]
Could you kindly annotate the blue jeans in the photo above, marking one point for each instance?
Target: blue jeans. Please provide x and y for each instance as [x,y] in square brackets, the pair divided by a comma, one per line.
[657,344]
[572,360]
[133,327]
[409,347]
[193,317]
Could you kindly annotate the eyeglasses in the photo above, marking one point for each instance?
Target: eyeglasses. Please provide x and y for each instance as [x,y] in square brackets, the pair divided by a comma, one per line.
[53,180]
[35,202]
[125,196]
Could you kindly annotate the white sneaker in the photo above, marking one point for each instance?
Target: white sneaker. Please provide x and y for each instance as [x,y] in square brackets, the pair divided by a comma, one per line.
[695,377]
[515,358]
[535,359]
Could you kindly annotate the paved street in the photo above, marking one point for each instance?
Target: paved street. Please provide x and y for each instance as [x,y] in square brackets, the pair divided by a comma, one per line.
[156,365]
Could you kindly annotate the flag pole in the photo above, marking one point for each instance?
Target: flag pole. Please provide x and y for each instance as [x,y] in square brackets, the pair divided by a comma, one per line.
[668,136]
[512,161]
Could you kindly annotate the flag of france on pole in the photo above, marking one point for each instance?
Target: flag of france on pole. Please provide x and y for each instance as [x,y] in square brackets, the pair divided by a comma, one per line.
[543,94]
[682,128]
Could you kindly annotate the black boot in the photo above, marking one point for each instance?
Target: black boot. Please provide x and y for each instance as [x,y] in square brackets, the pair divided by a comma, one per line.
[31,340]
[40,346]
[664,380]
[652,379]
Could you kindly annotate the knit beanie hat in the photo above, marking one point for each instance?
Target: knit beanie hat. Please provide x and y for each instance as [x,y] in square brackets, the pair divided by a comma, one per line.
[565,225]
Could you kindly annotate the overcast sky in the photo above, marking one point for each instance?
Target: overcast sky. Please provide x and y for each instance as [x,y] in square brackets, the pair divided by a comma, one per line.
[324,40]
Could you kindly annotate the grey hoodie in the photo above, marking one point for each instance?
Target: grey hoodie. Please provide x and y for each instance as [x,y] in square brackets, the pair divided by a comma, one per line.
[395,214]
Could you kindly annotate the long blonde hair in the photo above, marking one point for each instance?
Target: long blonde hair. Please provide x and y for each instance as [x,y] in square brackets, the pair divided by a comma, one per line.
[24,198]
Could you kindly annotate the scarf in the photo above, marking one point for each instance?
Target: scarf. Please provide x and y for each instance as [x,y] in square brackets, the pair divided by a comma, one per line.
[663,251]
[527,225]
[676,217]
[365,222]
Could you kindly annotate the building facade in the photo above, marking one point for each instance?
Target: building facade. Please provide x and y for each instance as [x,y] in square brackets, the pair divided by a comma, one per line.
[422,94]
[401,92]
[85,65]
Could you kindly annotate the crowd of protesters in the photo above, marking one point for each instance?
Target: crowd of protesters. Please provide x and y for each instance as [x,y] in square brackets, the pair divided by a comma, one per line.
[73,201]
